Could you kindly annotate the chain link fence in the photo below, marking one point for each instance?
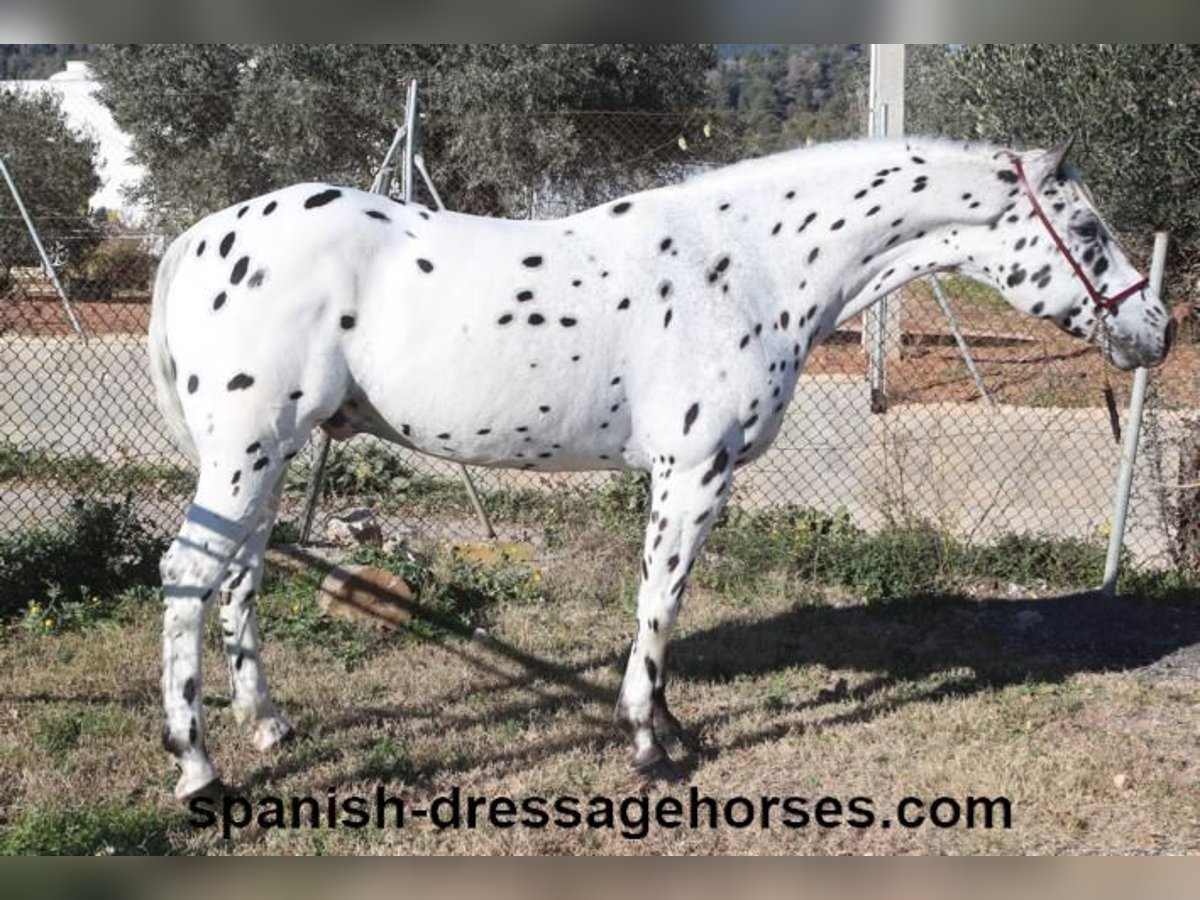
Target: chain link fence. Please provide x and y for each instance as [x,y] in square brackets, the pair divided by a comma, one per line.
[1005,432]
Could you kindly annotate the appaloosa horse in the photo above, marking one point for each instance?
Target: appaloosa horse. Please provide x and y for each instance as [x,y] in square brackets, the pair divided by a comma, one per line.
[662,332]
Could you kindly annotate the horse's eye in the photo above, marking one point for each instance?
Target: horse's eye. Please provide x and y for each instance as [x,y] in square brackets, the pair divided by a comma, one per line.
[1088,230]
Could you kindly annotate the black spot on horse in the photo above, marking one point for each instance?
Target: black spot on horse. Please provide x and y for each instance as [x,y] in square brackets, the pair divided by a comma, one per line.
[347,322]
[621,208]
[531,262]
[524,296]
[444,436]
[200,249]
[1007,175]
[295,395]
[689,418]
[624,304]
[239,270]
[567,322]
[254,448]
[812,257]
[784,318]
[667,318]
[189,691]
[257,278]
[240,382]
[776,229]
[860,194]
[664,245]
[260,464]
[1016,276]
[838,224]
[918,160]
[219,301]
[872,210]
[664,289]
[270,208]
[425,266]
[226,244]
[504,319]
[241,212]
[320,199]
[192,384]
[536,319]
[380,216]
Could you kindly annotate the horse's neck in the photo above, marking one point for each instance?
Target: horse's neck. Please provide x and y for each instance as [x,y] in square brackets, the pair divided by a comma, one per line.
[871,227]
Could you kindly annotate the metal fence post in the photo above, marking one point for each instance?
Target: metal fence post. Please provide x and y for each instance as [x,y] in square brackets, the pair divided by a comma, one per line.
[410,162]
[37,242]
[1137,400]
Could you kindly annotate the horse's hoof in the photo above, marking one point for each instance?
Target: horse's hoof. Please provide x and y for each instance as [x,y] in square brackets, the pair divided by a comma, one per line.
[272,733]
[667,728]
[656,768]
[210,790]
[651,760]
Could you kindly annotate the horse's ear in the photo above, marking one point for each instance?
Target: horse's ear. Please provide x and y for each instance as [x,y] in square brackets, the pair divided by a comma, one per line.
[1052,163]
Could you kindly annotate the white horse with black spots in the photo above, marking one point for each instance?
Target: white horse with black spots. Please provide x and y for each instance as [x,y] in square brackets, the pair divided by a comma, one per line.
[663,332]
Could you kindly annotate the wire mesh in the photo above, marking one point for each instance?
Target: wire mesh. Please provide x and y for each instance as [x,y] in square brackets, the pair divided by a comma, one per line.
[78,419]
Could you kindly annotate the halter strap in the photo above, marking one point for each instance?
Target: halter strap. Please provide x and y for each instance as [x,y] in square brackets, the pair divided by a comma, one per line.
[1105,304]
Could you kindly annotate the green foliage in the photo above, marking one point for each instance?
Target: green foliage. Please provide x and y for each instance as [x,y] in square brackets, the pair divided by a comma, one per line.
[1133,109]
[55,174]
[98,550]
[84,474]
[905,560]
[788,94]
[360,470]
[91,829]
[112,268]
[216,123]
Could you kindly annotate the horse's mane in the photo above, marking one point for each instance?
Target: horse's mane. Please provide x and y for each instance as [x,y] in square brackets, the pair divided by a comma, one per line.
[843,153]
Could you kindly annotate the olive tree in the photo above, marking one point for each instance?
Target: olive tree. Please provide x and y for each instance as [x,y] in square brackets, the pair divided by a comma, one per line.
[213,124]
[53,167]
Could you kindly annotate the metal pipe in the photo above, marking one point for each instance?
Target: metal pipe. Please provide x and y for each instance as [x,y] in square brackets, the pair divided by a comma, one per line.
[1137,400]
[37,241]
[963,350]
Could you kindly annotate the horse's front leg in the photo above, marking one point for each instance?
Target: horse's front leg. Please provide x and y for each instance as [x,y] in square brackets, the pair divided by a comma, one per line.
[684,506]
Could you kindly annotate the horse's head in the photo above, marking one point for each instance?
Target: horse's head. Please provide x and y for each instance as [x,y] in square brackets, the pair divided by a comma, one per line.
[1050,255]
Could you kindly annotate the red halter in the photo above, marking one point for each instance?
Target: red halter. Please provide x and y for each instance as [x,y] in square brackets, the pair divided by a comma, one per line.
[1105,304]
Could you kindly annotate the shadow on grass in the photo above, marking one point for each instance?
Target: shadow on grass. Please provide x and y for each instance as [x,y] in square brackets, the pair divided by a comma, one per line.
[939,645]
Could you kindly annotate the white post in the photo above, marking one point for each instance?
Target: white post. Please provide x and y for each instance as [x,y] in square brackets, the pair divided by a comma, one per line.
[881,323]
[1137,399]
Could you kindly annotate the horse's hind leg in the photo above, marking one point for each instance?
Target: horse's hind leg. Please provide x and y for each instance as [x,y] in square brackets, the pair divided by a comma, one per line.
[684,506]
[232,497]
[252,704]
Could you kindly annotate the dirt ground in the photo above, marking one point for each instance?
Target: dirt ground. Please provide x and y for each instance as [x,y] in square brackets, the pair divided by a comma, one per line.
[1079,711]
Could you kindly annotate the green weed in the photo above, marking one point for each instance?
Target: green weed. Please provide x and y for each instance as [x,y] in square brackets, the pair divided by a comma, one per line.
[103,829]
[80,568]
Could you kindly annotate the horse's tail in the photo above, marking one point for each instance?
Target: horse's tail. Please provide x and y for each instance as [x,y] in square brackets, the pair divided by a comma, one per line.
[162,364]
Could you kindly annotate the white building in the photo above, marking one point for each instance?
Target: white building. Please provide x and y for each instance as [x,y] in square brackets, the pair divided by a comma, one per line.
[76,89]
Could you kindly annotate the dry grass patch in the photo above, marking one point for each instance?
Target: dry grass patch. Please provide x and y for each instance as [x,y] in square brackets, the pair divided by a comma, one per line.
[785,690]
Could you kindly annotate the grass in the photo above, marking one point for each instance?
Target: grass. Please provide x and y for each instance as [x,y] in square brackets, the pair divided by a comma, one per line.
[87,475]
[813,659]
